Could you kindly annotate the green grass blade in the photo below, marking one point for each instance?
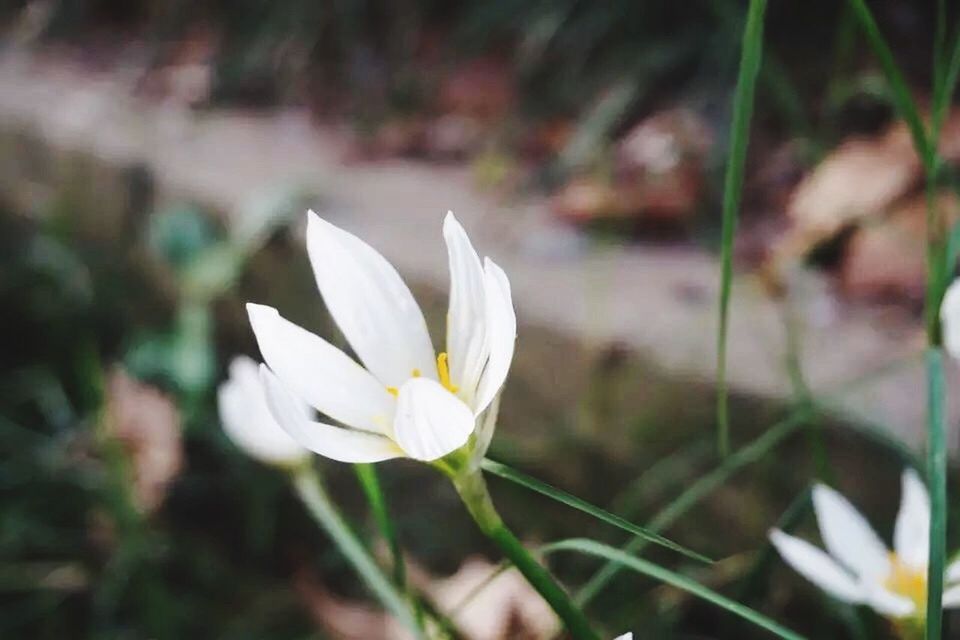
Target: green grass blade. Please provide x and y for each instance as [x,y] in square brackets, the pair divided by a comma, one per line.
[612,554]
[318,503]
[903,101]
[743,457]
[370,482]
[518,477]
[937,484]
[751,56]
[697,491]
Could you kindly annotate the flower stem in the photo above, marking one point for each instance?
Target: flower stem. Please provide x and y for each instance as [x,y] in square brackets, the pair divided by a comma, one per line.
[311,491]
[473,491]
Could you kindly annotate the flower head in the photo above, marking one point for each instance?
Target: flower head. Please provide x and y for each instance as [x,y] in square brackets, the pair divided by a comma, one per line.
[400,399]
[247,420]
[858,567]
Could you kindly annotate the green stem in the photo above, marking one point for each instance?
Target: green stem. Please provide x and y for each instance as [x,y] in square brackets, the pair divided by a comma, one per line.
[310,488]
[473,491]
[937,483]
[370,482]
[750,59]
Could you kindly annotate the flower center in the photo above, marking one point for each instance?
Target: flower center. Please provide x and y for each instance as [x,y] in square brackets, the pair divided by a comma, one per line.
[907,581]
[443,371]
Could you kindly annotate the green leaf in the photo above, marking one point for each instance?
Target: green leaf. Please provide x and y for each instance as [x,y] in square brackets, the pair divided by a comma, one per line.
[579,504]
[751,56]
[612,554]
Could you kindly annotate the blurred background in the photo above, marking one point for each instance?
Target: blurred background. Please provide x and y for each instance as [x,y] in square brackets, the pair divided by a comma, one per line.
[156,158]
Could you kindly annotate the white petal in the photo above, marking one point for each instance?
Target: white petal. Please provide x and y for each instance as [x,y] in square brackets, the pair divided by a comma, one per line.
[370,303]
[501,334]
[431,422]
[951,597]
[953,570]
[345,445]
[467,313]
[324,376]
[848,537]
[817,567]
[889,604]
[950,317]
[911,537]
[626,636]
[247,420]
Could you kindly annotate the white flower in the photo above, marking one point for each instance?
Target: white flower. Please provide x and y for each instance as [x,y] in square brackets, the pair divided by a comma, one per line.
[403,400]
[248,421]
[950,317]
[858,568]
[626,636]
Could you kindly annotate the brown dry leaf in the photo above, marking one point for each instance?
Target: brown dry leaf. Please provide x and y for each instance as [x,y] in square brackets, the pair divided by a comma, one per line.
[507,608]
[862,178]
[147,424]
[343,619]
[888,259]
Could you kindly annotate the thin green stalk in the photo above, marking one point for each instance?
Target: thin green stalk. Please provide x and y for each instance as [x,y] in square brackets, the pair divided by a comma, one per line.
[937,483]
[310,488]
[905,105]
[370,482]
[708,483]
[694,494]
[473,491]
[751,56]
[675,580]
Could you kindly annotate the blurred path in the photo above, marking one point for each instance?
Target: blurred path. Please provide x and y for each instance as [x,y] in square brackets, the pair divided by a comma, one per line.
[660,301]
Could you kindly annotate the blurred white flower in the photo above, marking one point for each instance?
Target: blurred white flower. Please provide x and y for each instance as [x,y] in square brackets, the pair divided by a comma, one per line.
[247,420]
[626,636]
[404,400]
[950,317]
[858,568]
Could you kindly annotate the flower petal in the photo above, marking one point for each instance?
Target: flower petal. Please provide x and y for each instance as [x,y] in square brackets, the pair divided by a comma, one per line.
[848,537]
[889,604]
[911,537]
[501,334]
[953,571]
[247,420]
[951,597]
[315,370]
[467,313]
[817,567]
[431,422]
[370,303]
[950,317]
[345,445]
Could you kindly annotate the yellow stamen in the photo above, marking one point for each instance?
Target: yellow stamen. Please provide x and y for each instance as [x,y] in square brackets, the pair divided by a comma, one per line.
[908,582]
[416,373]
[443,370]
[393,391]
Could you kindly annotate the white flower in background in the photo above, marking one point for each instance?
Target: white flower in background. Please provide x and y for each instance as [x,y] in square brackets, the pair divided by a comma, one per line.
[404,400]
[626,636]
[858,568]
[950,317]
[248,421]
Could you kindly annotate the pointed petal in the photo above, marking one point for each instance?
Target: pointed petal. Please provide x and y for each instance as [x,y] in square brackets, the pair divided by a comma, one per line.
[848,537]
[953,570]
[889,604]
[911,537]
[344,445]
[951,597]
[315,370]
[370,303]
[950,316]
[626,636]
[817,567]
[501,334]
[247,420]
[431,422]
[467,313]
